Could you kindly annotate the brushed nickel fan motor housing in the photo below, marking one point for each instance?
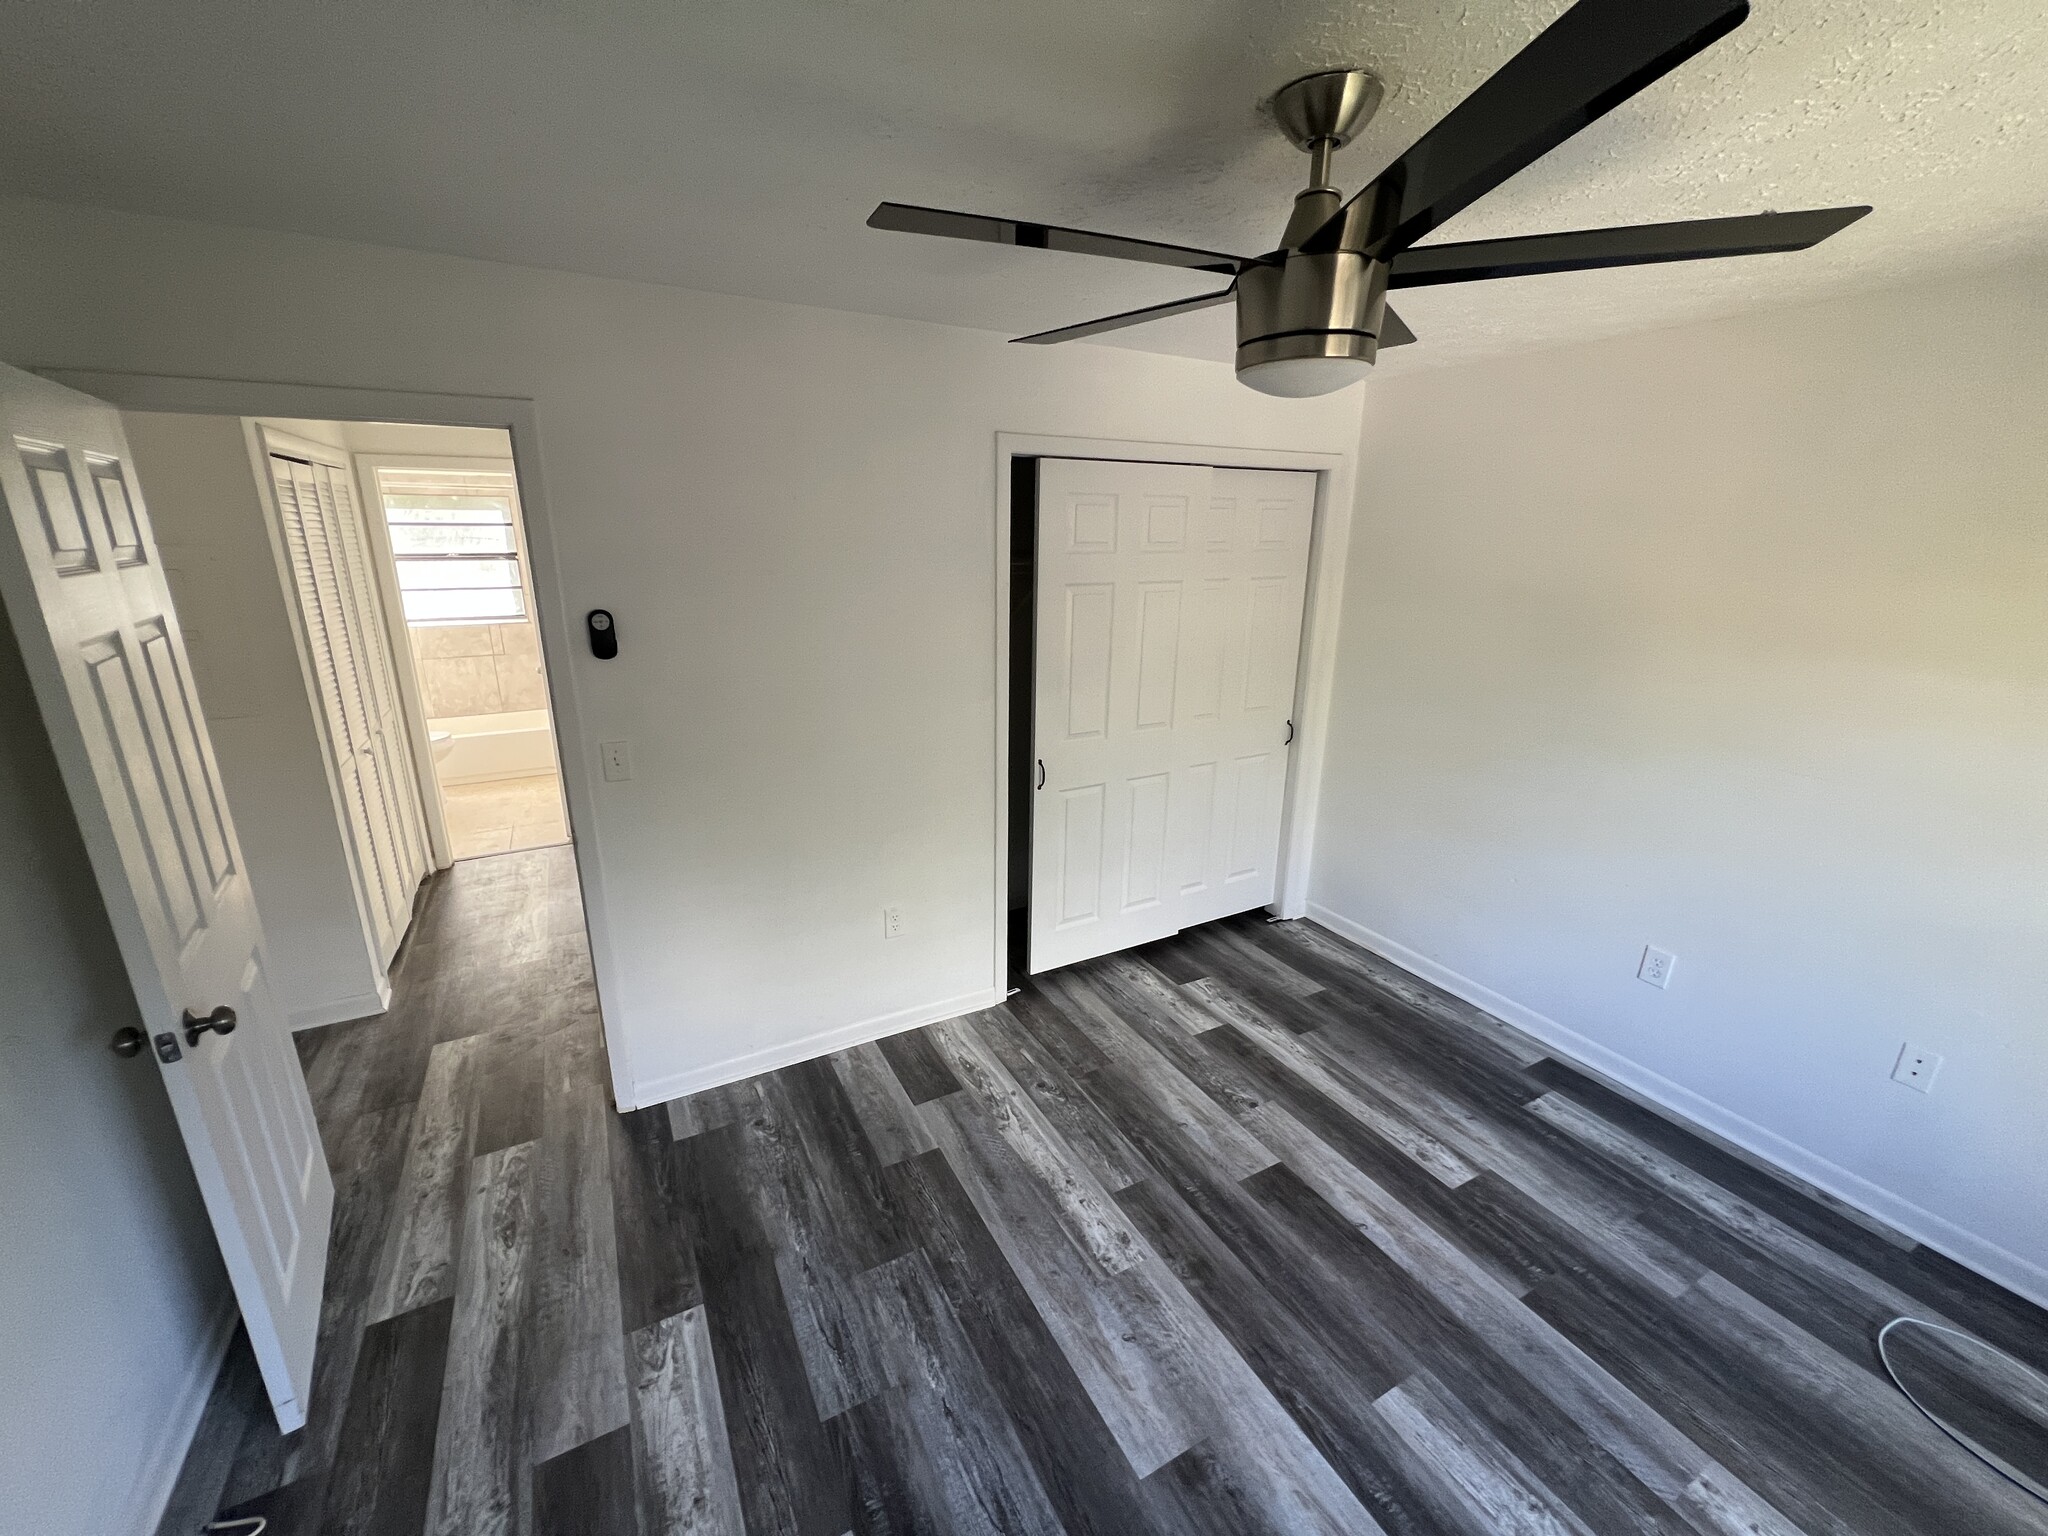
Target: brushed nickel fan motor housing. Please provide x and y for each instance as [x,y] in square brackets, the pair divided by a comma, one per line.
[1329,304]
[1326,303]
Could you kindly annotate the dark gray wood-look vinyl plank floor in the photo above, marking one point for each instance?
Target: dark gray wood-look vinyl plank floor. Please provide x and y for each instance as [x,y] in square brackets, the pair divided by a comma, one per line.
[1245,1231]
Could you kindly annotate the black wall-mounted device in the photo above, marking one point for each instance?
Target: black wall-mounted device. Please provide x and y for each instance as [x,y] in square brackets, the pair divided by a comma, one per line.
[604,634]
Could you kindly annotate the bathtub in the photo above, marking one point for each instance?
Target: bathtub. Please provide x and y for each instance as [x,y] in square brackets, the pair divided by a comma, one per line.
[477,748]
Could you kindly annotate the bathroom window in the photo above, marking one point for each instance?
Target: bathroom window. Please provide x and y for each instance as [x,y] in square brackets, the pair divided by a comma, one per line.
[455,543]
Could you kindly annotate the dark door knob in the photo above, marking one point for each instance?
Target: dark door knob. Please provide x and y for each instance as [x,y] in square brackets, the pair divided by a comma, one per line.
[221,1021]
[128,1042]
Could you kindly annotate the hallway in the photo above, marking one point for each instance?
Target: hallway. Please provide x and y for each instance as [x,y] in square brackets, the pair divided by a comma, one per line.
[491,1043]
[1246,1231]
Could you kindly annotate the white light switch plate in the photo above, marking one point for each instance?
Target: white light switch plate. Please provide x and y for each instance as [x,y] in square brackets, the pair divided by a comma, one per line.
[618,763]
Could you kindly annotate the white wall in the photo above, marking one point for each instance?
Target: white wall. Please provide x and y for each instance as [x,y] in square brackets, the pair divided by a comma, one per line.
[789,510]
[113,1302]
[1734,640]
[213,527]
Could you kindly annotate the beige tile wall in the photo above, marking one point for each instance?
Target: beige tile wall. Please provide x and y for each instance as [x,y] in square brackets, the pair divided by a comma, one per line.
[478,669]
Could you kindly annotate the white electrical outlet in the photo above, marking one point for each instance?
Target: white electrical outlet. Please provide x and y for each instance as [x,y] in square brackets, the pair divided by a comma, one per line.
[1656,966]
[1916,1068]
[618,763]
[892,922]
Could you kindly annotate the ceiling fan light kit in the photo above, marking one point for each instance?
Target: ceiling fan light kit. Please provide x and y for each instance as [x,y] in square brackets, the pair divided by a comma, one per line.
[1312,314]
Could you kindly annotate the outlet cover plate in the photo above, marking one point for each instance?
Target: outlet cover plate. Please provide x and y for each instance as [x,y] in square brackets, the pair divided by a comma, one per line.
[1916,1068]
[1656,966]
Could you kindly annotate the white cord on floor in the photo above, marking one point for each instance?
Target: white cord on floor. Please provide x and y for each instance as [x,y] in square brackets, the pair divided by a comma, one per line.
[248,1525]
[1934,1418]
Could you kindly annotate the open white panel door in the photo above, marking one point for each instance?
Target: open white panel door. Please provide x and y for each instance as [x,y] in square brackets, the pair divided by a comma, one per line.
[1169,613]
[86,594]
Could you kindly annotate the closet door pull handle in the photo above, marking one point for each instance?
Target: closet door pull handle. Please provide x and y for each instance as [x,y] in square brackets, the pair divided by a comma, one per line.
[1041,773]
[1290,735]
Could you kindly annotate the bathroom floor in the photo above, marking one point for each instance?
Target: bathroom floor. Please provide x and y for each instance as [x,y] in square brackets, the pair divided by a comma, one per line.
[505,815]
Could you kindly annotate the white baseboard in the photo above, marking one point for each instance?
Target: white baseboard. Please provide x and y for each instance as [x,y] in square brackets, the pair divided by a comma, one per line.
[361,1006]
[1987,1258]
[735,1069]
[157,1477]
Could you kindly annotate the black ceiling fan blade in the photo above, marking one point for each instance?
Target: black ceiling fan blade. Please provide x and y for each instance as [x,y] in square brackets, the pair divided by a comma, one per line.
[1048,237]
[1630,246]
[1394,331]
[1128,317]
[1585,64]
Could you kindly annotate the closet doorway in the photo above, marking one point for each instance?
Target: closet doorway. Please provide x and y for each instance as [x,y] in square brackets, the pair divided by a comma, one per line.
[1157,633]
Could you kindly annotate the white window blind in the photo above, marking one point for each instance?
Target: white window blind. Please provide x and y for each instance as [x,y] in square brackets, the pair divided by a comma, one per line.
[456,545]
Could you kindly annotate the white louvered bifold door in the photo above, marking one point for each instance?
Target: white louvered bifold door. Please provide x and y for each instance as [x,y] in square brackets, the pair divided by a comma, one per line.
[352,672]
[404,821]
[1169,612]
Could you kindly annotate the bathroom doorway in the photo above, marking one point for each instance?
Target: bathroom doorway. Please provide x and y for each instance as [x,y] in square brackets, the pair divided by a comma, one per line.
[444,511]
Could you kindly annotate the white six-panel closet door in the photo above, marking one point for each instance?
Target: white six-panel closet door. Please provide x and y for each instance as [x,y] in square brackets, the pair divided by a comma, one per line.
[1169,609]
[1255,583]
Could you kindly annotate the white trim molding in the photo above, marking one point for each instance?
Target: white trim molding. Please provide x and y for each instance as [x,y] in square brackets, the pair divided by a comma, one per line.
[1336,475]
[1696,1112]
[364,1005]
[789,1052]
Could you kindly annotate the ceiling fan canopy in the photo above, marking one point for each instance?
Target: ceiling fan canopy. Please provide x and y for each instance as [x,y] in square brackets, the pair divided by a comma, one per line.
[1312,313]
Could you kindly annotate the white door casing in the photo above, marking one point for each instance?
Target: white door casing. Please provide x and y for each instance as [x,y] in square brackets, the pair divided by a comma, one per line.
[86,593]
[1169,608]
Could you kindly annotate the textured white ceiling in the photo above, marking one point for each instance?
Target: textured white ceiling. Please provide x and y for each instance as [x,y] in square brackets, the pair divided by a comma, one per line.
[737,145]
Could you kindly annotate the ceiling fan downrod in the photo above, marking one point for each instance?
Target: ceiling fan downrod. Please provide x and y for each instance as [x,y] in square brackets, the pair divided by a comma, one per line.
[1321,155]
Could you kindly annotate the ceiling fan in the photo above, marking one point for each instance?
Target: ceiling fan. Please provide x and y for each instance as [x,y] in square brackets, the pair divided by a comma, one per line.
[1312,315]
